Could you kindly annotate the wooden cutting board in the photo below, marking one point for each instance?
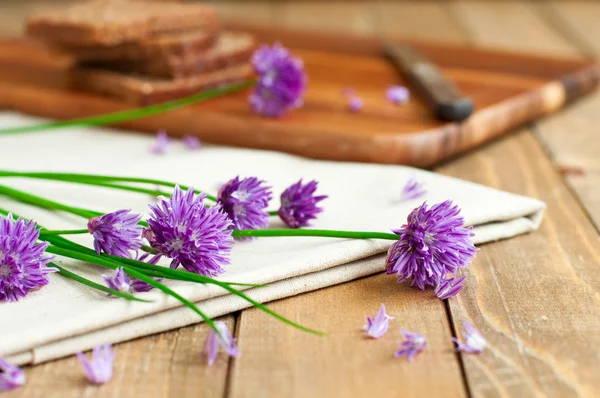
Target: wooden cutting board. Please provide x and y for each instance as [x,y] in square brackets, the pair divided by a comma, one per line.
[508,90]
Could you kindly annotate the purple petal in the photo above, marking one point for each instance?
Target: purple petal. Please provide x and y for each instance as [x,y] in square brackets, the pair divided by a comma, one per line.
[162,143]
[192,142]
[99,370]
[11,376]
[379,325]
[397,94]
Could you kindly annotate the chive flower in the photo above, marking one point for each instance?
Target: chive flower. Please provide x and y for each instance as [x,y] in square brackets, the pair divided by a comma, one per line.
[397,94]
[413,189]
[121,282]
[213,342]
[413,344]
[474,341]
[281,81]
[299,204]
[448,288]
[432,244]
[162,143]
[11,376]
[183,229]
[116,233]
[23,263]
[379,324]
[245,201]
[100,369]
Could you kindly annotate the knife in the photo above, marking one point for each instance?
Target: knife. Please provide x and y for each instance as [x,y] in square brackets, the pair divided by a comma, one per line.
[440,94]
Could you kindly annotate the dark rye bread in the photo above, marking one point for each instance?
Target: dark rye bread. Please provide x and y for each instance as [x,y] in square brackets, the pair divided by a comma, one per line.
[112,22]
[230,48]
[162,45]
[138,90]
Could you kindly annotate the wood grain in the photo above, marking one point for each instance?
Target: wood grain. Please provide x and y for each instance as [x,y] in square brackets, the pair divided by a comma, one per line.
[163,365]
[531,293]
[572,136]
[346,363]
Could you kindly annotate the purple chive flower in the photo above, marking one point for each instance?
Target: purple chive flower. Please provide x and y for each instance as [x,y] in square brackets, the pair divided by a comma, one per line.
[281,81]
[432,244]
[99,370]
[355,104]
[412,189]
[414,344]
[299,204]
[474,341]
[245,202]
[213,342]
[162,143]
[121,282]
[397,94]
[11,376]
[378,325]
[116,233]
[191,142]
[448,288]
[185,230]
[22,262]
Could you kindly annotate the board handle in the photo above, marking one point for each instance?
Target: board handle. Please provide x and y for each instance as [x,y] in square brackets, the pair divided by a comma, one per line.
[440,94]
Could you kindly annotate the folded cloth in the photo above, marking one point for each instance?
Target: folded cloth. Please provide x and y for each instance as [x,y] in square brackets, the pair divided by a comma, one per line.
[65,317]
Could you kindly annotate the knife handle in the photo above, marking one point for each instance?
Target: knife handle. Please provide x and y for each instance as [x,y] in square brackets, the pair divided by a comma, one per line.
[440,94]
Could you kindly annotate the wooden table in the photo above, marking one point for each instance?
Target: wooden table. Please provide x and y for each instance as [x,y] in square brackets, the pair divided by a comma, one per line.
[536,298]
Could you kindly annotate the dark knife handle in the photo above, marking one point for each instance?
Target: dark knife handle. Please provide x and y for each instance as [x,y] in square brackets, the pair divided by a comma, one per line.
[437,90]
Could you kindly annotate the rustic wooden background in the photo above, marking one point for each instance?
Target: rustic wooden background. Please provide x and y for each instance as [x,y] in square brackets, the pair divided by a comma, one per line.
[536,298]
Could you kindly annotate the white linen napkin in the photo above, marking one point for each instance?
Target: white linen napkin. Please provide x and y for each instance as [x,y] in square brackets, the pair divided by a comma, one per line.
[65,317]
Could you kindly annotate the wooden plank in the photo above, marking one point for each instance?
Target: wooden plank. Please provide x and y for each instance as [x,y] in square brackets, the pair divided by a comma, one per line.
[256,10]
[163,365]
[535,297]
[572,136]
[346,16]
[346,363]
[423,19]
[510,25]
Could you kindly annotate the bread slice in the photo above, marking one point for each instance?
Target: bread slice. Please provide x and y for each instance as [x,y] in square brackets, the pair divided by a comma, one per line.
[139,90]
[162,45]
[230,48]
[112,22]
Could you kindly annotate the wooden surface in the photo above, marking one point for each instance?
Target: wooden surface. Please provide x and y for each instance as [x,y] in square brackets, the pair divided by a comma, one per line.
[507,89]
[536,297]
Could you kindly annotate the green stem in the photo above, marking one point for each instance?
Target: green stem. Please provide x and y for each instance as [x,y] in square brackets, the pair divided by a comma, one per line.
[273,213]
[131,114]
[100,180]
[45,232]
[46,203]
[327,233]
[71,275]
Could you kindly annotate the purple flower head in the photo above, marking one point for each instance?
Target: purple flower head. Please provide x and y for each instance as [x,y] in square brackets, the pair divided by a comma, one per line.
[355,104]
[116,233]
[162,143]
[245,202]
[11,376]
[448,288]
[121,282]
[191,142]
[474,341]
[281,81]
[185,230]
[299,204]
[22,261]
[412,189]
[414,344]
[213,342]
[432,244]
[397,94]
[378,326]
[99,370]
